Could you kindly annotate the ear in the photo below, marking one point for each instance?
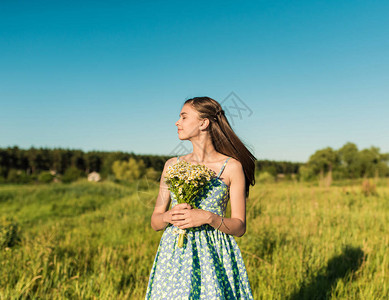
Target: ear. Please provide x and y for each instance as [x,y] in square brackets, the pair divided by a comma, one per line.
[204,124]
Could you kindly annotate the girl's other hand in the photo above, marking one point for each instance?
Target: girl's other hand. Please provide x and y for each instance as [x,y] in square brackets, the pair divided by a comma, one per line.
[177,211]
[188,218]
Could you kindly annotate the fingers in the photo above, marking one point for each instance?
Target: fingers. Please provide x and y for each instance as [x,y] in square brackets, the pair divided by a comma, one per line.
[179,211]
[182,206]
[181,224]
[178,215]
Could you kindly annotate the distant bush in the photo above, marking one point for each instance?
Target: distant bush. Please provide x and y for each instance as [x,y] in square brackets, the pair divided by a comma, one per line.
[306,173]
[45,177]
[18,176]
[269,169]
[72,174]
[339,174]
[152,174]
[265,177]
[130,170]
[9,233]
[33,177]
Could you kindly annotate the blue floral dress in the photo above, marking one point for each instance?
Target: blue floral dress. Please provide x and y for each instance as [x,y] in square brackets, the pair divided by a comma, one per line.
[209,265]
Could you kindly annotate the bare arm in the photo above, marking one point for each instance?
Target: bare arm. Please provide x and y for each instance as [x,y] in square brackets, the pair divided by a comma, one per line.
[236,225]
[161,216]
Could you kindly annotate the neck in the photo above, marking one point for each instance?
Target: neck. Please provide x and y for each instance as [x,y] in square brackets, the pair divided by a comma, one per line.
[203,149]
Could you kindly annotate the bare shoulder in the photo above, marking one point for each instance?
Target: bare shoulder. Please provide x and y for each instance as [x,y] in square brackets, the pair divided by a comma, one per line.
[233,171]
[168,163]
[171,161]
[234,165]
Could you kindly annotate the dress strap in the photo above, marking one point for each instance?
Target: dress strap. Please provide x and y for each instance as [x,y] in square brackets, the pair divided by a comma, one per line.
[223,167]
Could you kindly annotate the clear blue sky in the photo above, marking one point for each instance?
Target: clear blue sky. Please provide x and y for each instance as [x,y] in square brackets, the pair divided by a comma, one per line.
[113,75]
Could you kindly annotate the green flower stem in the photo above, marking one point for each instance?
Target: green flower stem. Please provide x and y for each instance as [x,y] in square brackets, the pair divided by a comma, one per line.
[181,240]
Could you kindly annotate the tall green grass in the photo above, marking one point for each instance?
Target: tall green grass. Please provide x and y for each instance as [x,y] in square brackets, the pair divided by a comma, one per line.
[94,241]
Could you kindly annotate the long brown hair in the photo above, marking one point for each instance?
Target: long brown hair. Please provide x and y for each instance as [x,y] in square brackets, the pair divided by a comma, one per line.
[223,137]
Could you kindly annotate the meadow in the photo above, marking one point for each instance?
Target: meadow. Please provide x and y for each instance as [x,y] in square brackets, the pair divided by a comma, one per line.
[89,240]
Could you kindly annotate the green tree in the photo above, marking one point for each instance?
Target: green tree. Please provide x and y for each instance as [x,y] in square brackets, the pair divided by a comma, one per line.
[324,160]
[129,170]
[17,176]
[72,174]
[78,160]
[373,163]
[45,177]
[306,173]
[93,161]
[349,157]
[109,159]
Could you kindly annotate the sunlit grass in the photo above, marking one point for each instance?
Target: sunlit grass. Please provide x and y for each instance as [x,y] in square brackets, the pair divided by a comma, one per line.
[94,241]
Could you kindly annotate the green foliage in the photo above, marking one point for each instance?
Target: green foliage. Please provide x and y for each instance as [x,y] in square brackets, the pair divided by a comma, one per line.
[265,177]
[45,177]
[373,163]
[152,174]
[130,170]
[3,171]
[272,170]
[277,167]
[24,166]
[72,174]
[13,175]
[323,160]
[306,173]
[18,176]
[348,162]
[9,232]
[339,174]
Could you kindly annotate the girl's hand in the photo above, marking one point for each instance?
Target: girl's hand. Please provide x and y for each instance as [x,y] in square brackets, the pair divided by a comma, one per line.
[187,218]
[168,215]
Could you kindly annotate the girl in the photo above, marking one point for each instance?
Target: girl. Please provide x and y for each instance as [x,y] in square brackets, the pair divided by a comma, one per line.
[210,264]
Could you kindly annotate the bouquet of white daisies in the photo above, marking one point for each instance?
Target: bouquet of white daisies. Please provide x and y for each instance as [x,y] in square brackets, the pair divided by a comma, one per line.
[186,181]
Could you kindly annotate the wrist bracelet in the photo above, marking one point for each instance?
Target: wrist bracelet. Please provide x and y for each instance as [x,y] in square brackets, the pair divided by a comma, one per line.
[220,224]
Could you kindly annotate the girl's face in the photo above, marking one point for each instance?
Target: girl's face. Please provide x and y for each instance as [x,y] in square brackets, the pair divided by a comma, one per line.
[188,124]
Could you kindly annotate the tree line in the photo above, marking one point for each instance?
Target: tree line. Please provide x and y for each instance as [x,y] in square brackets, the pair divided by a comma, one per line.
[43,164]
[26,165]
[348,162]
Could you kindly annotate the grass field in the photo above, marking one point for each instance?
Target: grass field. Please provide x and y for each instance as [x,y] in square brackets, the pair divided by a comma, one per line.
[94,241]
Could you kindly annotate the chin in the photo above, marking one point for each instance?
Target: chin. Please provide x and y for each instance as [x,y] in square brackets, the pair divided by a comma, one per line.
[182,137]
